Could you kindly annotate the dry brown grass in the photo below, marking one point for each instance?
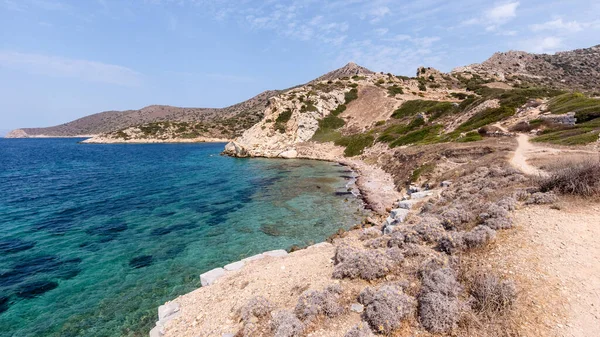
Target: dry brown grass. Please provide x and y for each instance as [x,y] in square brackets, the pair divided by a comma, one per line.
[574,178]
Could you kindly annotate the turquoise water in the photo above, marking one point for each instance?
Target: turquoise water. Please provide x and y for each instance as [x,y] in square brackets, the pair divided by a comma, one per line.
[94,237]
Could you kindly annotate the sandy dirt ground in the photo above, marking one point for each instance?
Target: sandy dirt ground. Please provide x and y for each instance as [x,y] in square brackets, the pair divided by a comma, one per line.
[558,252]
[522,153]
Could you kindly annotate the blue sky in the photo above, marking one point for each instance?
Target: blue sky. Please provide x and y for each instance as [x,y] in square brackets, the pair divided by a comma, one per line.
[64,59]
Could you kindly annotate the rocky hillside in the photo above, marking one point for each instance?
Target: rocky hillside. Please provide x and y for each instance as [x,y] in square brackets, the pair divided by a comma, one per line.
[575,70]
[375,110]
[245,114]
[349,70]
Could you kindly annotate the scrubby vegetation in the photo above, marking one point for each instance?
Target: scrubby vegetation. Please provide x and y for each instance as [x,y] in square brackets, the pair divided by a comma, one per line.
[282,119]
[581,179]
[355,144]
[394,90]
[426,135]
[585,108]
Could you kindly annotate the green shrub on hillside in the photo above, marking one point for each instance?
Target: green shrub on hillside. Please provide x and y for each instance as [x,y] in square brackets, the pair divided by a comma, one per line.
[586,109]
[574,136]
[351,95]
[486,117]
[309,106]
[394,90]
[355,144]
[327,126]
[472,136]
[282,119]
[421,170]
[434,109]
[340,108]
[426,135]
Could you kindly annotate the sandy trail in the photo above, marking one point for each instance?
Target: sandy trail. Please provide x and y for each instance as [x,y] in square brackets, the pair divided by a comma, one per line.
[565,246]
[522,153]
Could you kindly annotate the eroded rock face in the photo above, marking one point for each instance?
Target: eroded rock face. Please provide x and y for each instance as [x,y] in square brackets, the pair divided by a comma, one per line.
[291,118]
[18,133]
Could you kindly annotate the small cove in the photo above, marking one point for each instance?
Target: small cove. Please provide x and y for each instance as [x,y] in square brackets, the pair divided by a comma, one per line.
[94,237]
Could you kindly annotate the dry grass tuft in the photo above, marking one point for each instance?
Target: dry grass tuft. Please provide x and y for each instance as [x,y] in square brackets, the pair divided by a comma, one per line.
[581,179]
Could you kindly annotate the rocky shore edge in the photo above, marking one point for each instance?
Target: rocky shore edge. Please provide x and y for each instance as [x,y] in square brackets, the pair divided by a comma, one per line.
[367,191]
[105,140]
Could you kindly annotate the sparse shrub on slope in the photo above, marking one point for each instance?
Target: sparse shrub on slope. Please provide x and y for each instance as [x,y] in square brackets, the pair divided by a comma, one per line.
[314,303]
[581,179]
[367,264]
[585,108]
[286,324]
[439,313]
[492,295]
[360,330]
[355,144]
[389,307]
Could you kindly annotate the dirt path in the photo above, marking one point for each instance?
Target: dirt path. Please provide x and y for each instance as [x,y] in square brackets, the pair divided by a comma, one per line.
[557,251]
[522,153]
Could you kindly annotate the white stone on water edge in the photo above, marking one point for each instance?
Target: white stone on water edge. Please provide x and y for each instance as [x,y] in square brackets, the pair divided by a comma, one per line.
[276,253]
[253,258]
[211,276]
[407,204]
[320,245]
[156,332]
[167,310]
[235,266]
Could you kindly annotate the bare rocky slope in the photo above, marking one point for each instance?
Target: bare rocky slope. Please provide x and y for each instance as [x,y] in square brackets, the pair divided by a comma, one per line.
[577,69]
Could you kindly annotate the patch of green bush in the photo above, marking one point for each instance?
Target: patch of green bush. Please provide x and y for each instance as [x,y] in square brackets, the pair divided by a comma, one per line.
[351,95]
[327,126]
[282,119]
[472,136]
[486,117]
[355,144]
[421,170]
[434,109]
[394,90]
[585,108]
[575,136]
[426,135]
[340,108]
[309,106]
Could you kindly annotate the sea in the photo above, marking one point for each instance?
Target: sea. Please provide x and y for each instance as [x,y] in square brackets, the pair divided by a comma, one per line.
[93,238]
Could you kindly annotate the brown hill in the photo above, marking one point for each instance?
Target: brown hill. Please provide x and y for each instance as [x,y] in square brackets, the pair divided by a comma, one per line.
[249,111]
[349,70]
[577,69]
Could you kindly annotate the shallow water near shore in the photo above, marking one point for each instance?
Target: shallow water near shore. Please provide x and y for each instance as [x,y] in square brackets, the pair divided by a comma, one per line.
[93,238]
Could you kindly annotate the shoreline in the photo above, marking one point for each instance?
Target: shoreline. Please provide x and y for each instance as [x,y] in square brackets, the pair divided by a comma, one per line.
[108,141]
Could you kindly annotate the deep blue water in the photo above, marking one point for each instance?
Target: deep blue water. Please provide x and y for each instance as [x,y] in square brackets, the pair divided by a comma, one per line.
[94,237]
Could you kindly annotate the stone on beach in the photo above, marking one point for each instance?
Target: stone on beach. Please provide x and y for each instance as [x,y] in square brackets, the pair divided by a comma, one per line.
[211,276]
[235,266]
[167,310]
[276,253]
[253,258]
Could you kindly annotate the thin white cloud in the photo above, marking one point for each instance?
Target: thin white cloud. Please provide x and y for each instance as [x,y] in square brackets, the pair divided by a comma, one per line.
[564,26]
[495,17]
[70,68]
[381,31]
[549,44]
[502,13]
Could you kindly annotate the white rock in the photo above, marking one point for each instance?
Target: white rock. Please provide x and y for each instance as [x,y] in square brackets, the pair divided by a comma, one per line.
[421,195]
[228,335]
[399,214]
[357,307]
[168,309]
[235,266]
[276,253]
[320,245]
[289,154]
[446,183]
[156,332]
[407,204]
[211,276]
[253,258]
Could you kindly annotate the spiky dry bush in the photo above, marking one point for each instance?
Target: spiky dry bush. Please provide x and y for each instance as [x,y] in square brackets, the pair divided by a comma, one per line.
[541,198]
[370,233]
[367,264]
[360,330]
[254,315]
[314,303]
[389,307]
[439,313]
[441,281]
[491,294]
[439,305]
[258,307]
[582,179]
[286,324]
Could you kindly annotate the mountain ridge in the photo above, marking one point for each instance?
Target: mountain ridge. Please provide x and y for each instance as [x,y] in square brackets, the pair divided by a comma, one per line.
[574,70]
